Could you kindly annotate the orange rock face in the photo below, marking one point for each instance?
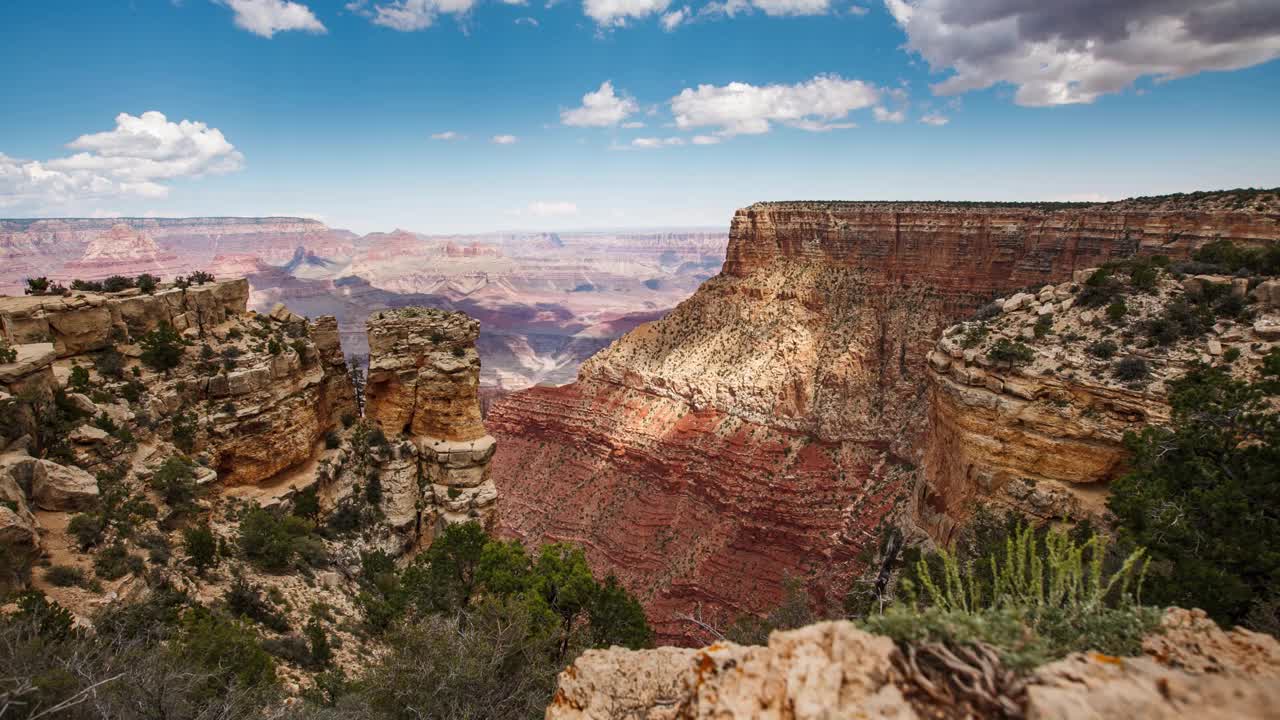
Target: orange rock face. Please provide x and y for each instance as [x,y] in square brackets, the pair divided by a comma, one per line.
[772,425]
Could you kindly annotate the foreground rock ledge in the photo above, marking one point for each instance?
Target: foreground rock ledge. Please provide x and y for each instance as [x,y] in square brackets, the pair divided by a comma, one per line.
[1193,669]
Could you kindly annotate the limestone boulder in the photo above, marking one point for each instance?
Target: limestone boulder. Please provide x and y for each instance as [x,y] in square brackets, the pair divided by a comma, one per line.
[824,671]
[62,487]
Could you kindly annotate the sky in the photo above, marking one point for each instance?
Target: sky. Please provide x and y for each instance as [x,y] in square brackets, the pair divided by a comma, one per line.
[445,116]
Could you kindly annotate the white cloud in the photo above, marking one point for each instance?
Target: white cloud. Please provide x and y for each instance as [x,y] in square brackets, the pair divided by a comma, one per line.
[130,160]
[531,22]
[1074,51]
[651,143]
[551,209]
[744,109]
[673,19]
[885,115]
[609,13]
[706,140]
[634,124]
[268,17]
[447,135]
[503,139]
[411,15]
[793,7]
[601,108]
[935,119]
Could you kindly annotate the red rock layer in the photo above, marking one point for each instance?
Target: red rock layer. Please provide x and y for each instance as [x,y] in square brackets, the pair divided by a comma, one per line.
[772,423]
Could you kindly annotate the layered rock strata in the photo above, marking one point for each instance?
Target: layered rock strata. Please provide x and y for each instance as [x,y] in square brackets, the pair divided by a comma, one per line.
[772,424]
[423,382]
[833,670]
[86,322]
[1044,437]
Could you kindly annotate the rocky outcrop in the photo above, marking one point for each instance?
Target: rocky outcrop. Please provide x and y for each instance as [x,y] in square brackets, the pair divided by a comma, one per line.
[423,383]
[772,425]
[829,670]
[31,369]
[86,322]
[1044,437]
[1192,669]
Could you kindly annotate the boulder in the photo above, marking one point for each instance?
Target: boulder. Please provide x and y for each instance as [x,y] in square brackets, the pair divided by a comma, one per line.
[1267,327]
[88,435]
[62,487]
[32,358]
[1268,294]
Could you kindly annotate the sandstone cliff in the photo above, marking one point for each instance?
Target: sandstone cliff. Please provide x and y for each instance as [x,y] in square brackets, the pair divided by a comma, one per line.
[773,423]
[833,670]
[1043,436]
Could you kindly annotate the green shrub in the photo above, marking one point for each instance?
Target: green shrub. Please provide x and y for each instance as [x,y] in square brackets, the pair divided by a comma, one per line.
[1117,310]
[162,348]
[270,541]
[114,561]
[1013,353]
[175,481]
[183,431]
[974,334]
[201,547]
[147,283]
[1200,494]
[65,576]
[227,648]
[1103,349]
[1044,324]
[200,277]
[1045,596]
[87,529]
[79,379]
[8,354]
[116,283]
[1131,369]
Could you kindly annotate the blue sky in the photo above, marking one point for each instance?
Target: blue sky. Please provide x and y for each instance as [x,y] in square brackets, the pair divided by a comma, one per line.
[328,108]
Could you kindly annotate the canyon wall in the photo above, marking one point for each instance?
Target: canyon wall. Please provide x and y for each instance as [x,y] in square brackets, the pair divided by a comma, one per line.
[771,426]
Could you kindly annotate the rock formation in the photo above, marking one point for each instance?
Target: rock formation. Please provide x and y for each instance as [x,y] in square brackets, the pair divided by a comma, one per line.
[87,322]
[423,381]
[1044,437]
[833,670]
[772,424]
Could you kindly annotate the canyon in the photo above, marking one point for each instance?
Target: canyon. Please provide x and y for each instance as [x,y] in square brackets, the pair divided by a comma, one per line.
[773,426]
[546,301]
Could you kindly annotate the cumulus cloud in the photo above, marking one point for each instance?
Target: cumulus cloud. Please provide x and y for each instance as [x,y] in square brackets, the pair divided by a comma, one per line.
[268,17]
[634,124]
[673,19]
[935,119]
[1074,51]
[652,143]
[601,108]
[744,109]
[447,135]
[543,208]
[706,140]
[609,13]
[131,160]
[885,115]
[411,15]
[503,139]
[792,7]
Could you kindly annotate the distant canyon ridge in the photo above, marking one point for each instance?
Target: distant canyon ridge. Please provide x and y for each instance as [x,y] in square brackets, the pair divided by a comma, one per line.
[546,301]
